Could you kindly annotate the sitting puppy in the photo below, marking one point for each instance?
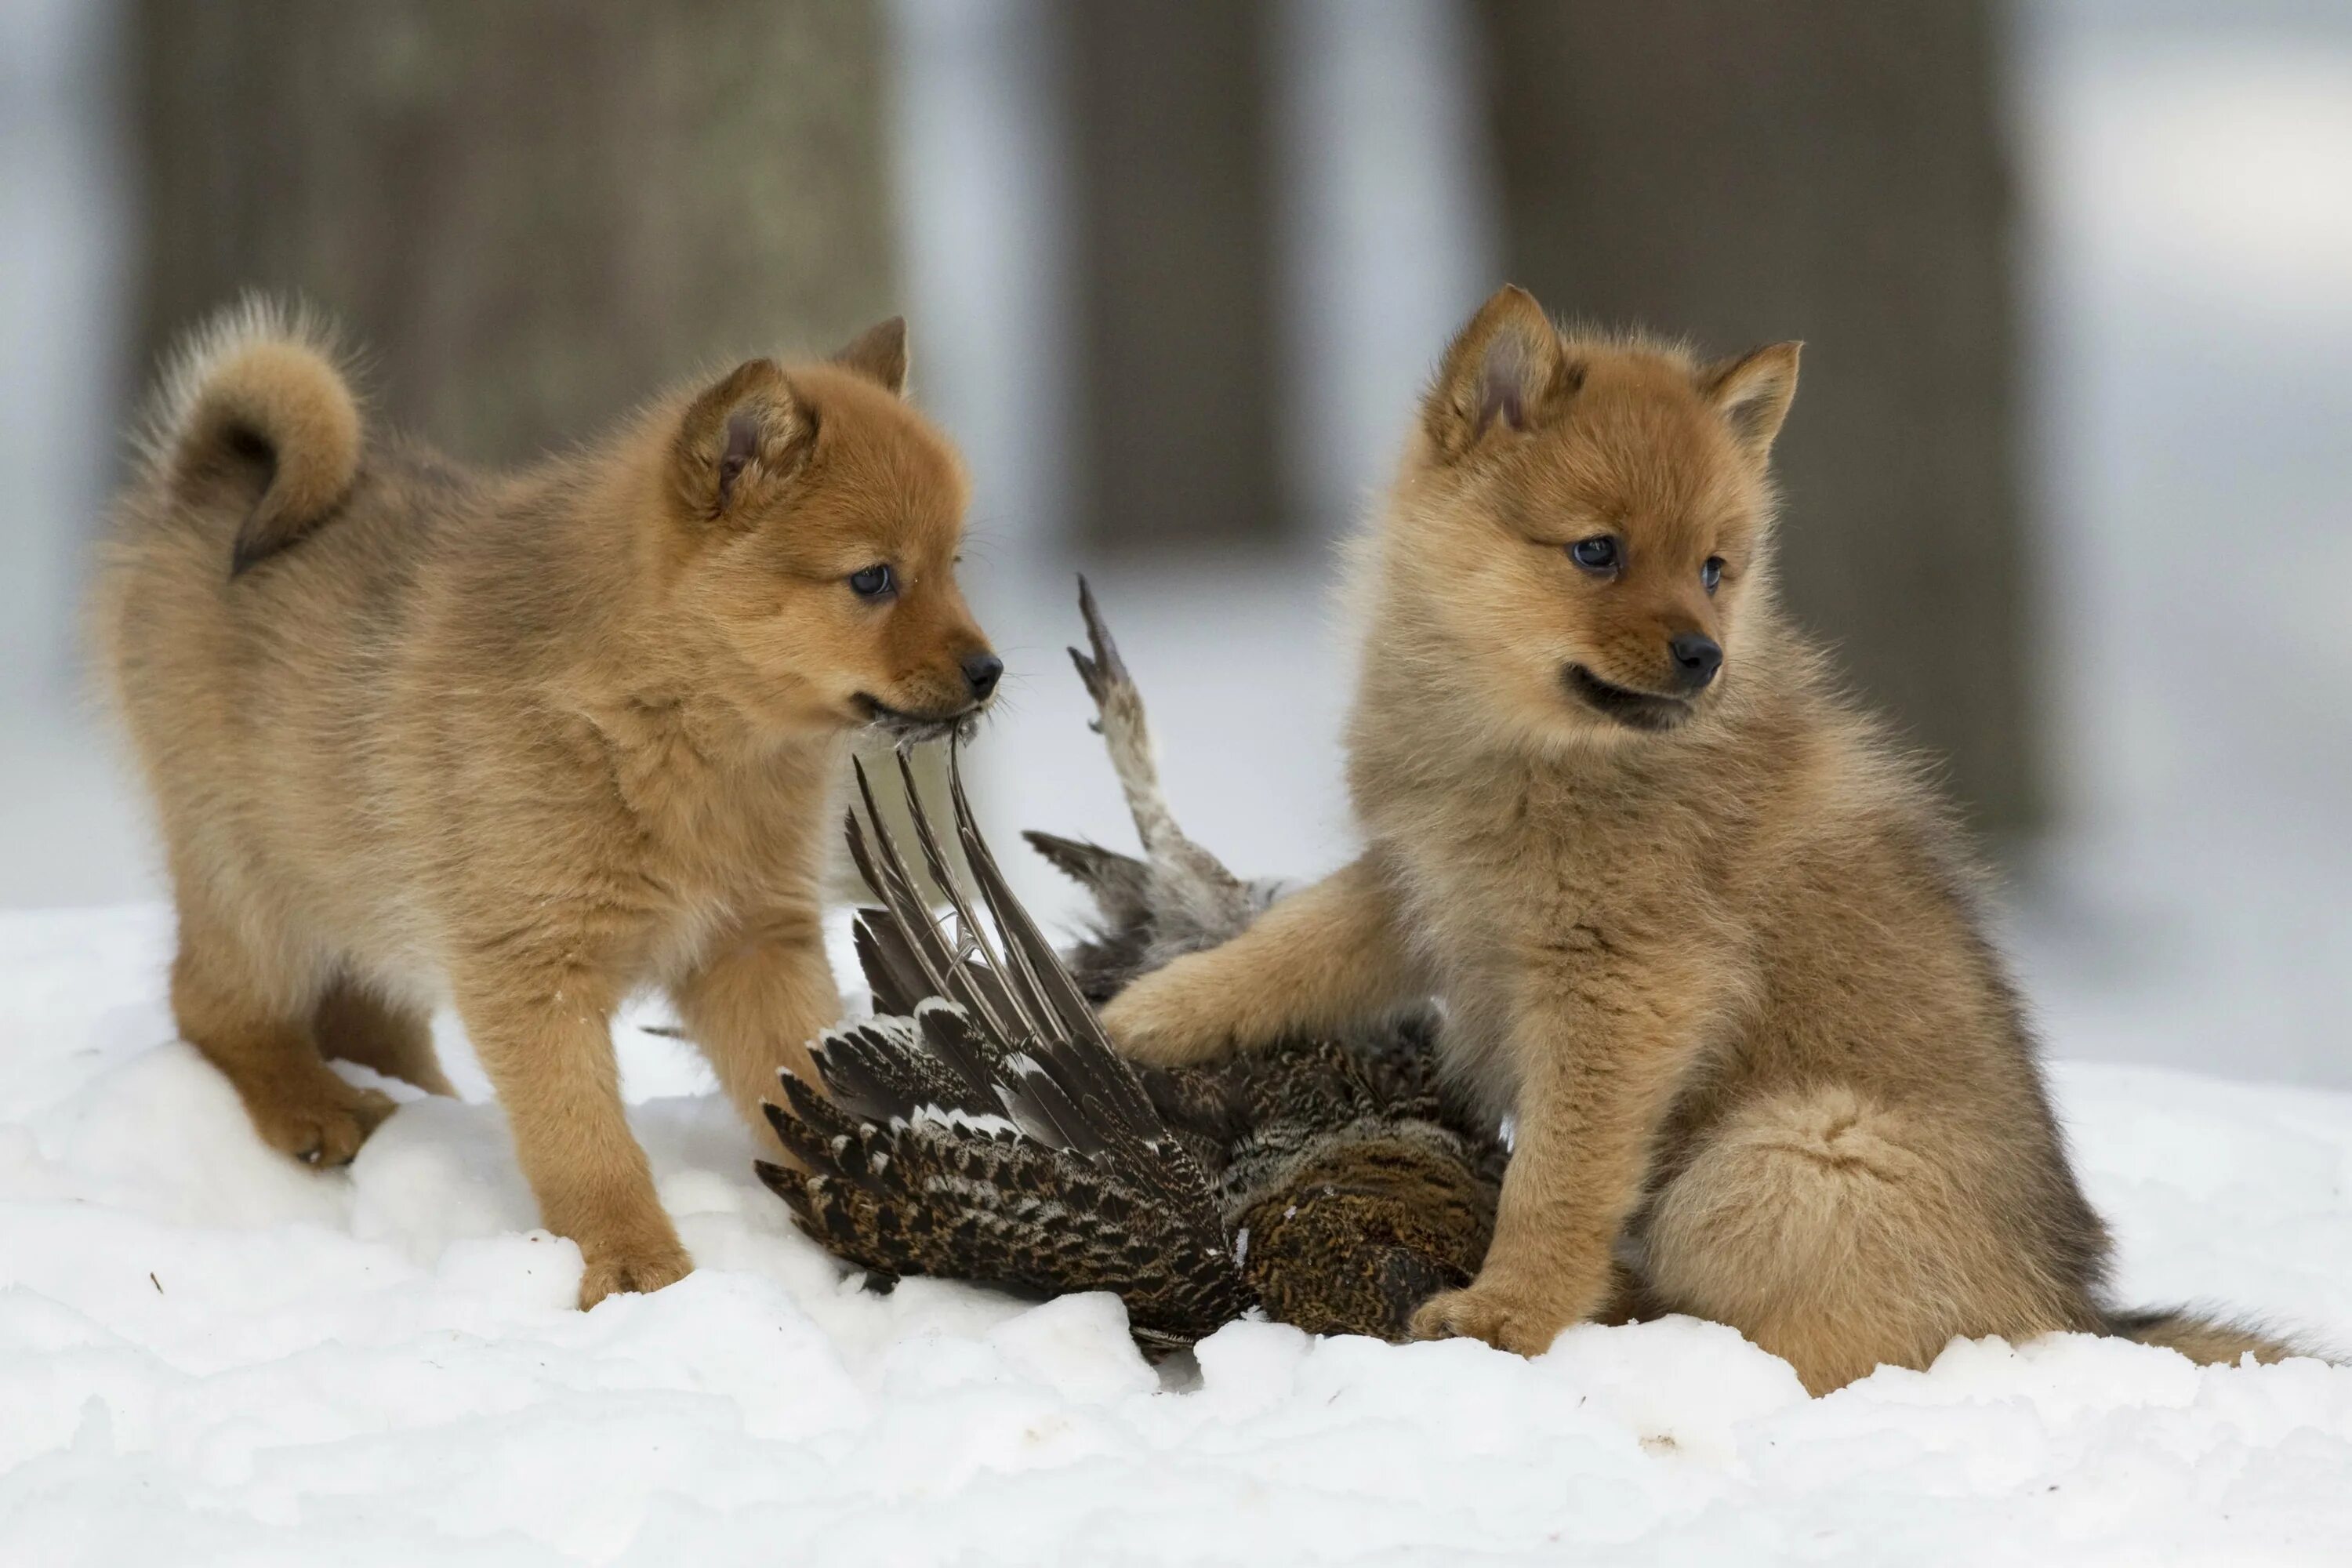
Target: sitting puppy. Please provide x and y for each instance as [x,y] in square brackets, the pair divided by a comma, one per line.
[523,742]
[1697,926]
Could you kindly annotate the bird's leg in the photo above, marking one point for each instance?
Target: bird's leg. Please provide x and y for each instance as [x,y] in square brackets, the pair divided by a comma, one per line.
[1119,720]
[1188,873]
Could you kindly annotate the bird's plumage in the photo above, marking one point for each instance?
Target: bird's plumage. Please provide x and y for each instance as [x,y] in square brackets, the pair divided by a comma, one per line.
[980,1125]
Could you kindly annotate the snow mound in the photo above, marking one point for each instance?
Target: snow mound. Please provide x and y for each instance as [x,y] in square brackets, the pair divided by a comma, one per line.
[209,1354]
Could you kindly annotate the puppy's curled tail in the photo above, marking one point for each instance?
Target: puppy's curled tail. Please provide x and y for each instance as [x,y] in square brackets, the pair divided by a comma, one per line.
[2208,1341]
[255,412]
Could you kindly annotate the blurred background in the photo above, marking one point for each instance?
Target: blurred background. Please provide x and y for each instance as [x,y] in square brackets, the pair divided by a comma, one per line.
[2067,477]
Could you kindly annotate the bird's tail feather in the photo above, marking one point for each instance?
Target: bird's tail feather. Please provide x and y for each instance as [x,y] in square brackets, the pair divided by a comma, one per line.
[983,1126]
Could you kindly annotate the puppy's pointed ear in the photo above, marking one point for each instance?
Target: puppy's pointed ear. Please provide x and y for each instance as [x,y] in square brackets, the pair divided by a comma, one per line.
[879,353]
[741,439]
[1752,392]
[1507,371]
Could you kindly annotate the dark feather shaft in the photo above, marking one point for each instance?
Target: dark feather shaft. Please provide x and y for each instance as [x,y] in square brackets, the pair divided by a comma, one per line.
[941,963]
[927,842]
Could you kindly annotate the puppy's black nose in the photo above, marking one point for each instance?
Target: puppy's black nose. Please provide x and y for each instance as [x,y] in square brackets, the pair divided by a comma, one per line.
[979,673]
[1696,659]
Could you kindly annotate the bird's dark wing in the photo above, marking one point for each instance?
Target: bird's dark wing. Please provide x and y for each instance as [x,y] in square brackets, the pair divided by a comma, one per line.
[1120,885]
[969,1199]
[1119,947]
[986,1130]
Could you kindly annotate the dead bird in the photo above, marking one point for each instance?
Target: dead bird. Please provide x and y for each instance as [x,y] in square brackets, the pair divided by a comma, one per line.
[981,1127]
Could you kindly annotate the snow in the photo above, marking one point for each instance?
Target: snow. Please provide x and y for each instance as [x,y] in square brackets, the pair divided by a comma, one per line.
[211,1354]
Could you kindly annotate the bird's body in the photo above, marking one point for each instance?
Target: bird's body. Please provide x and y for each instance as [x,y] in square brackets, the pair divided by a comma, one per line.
[981,1127]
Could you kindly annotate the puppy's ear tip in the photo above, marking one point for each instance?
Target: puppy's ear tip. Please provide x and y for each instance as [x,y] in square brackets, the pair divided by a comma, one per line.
[879,353]
[1506,367]
[1753,390]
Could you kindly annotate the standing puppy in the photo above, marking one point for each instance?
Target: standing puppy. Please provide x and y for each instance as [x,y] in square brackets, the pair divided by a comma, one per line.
[1698,929]
[525,743]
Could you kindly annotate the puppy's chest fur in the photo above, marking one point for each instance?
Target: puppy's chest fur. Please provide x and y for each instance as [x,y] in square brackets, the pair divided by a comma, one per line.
[1525,865]
[705,832]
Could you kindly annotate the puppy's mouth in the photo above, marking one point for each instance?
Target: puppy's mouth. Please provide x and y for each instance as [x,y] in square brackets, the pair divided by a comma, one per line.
[906,729]
[1635,709]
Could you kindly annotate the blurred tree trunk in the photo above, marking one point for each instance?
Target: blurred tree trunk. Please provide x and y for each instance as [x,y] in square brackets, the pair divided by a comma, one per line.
[1832,172]
[529,214]
[1176,333]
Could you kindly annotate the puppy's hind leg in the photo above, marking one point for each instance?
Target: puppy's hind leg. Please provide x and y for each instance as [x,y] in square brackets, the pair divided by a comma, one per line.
[357,1024]
[1842,1235]
[247,1004]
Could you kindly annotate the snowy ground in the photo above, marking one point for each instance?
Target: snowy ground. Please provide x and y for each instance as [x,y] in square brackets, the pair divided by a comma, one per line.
[208,1354]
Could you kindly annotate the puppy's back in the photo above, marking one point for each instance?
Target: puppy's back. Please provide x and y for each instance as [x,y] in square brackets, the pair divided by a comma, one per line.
[250,597]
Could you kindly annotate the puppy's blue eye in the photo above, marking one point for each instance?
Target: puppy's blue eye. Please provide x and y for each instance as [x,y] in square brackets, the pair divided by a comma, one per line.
[874,583]
[1711,574]
[1598,553]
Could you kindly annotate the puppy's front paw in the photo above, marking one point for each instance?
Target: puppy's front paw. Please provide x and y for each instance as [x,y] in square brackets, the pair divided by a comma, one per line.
[1505,1314]
[1152,1022]
[642,1266]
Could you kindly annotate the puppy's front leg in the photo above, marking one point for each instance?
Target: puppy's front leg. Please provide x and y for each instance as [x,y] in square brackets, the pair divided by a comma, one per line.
[1600,1053]
[1320,959]
[754,1004]
[545,1036]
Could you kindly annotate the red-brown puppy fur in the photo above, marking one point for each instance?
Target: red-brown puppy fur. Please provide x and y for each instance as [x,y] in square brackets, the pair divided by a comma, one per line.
[1703,934]
[525,743]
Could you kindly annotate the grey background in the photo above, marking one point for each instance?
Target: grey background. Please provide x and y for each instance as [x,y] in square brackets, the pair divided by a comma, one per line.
[2180,260]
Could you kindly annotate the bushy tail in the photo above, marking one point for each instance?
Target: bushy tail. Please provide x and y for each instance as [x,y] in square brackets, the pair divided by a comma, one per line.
[2209,1341]
[254,405]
